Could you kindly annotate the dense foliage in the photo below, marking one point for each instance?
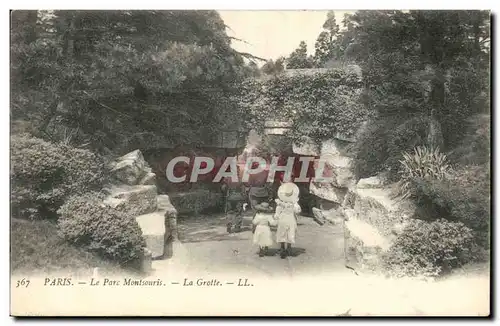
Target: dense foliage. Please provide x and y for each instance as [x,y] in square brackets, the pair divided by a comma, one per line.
[43,175]
[430,249]
[425,85]
[299,59]
[465,199]
[86,222]
[102,76]
[429,67]
[274,67]
[198,201]
[423,163]
[474,149]
[425,81]
[320,105]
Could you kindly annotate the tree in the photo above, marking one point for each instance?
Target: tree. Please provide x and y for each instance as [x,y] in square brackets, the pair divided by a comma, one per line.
[427,66]
[112,74]
[253,69]
[298,59]
[274,67]
[346,35]
[327,45]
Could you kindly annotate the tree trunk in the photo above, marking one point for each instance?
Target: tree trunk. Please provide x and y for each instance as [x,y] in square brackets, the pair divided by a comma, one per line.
[432,54]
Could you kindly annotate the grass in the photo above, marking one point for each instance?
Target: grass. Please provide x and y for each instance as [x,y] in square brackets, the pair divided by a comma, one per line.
[36,248]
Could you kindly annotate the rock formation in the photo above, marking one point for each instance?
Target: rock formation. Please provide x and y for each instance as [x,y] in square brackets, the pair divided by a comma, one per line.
[370,216]
[133,191]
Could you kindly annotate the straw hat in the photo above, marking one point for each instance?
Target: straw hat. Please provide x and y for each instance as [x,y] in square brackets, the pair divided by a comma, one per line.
[289,192]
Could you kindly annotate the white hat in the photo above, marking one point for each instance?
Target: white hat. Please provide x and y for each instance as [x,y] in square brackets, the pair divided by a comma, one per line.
[289,192]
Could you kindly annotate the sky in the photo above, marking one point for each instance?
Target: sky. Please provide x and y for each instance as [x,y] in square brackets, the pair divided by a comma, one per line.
[271,34]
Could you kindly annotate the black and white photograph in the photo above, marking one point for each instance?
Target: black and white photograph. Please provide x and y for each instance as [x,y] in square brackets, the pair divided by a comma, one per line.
[250,163]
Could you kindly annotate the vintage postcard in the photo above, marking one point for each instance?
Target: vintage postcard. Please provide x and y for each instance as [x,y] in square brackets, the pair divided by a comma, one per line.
[250,163]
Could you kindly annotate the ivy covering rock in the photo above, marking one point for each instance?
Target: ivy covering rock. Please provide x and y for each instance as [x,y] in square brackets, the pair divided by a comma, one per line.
[321,105]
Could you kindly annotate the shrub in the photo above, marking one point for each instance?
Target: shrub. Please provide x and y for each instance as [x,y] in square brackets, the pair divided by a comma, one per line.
[371,150]
[430,249]
[449,199]
[474,149]
[472,176]
[197,201]
[424,163]
[44,174]
[85,221]
[379,148]
[404,138]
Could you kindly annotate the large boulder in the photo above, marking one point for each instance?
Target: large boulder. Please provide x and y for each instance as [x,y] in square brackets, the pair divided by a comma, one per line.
[341,166]
[133,200]
[371,182]
[337,165]
[148,179]
[364,245]
[129,169]
[332,216]
[379,208]
[318,215]
[327,191]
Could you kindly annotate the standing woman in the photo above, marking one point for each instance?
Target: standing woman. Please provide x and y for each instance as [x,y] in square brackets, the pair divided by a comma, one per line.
[287,209]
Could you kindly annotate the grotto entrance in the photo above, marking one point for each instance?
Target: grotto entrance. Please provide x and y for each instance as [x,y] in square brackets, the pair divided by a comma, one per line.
[271,143]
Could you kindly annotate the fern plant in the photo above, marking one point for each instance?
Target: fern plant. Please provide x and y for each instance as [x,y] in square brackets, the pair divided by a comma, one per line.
[423,163]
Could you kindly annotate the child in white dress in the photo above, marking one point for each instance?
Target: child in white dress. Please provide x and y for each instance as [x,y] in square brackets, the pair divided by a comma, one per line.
[287,209]
[263,220]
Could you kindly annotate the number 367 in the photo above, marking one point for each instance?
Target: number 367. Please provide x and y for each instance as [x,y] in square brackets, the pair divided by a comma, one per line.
[23,283]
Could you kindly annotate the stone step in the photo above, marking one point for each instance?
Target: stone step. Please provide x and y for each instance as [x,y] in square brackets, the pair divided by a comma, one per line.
[154,231]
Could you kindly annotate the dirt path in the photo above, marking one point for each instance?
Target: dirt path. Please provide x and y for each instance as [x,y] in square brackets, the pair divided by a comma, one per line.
[315,274]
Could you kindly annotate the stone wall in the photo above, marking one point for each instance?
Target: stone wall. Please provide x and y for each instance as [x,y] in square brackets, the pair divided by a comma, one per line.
[133,191]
